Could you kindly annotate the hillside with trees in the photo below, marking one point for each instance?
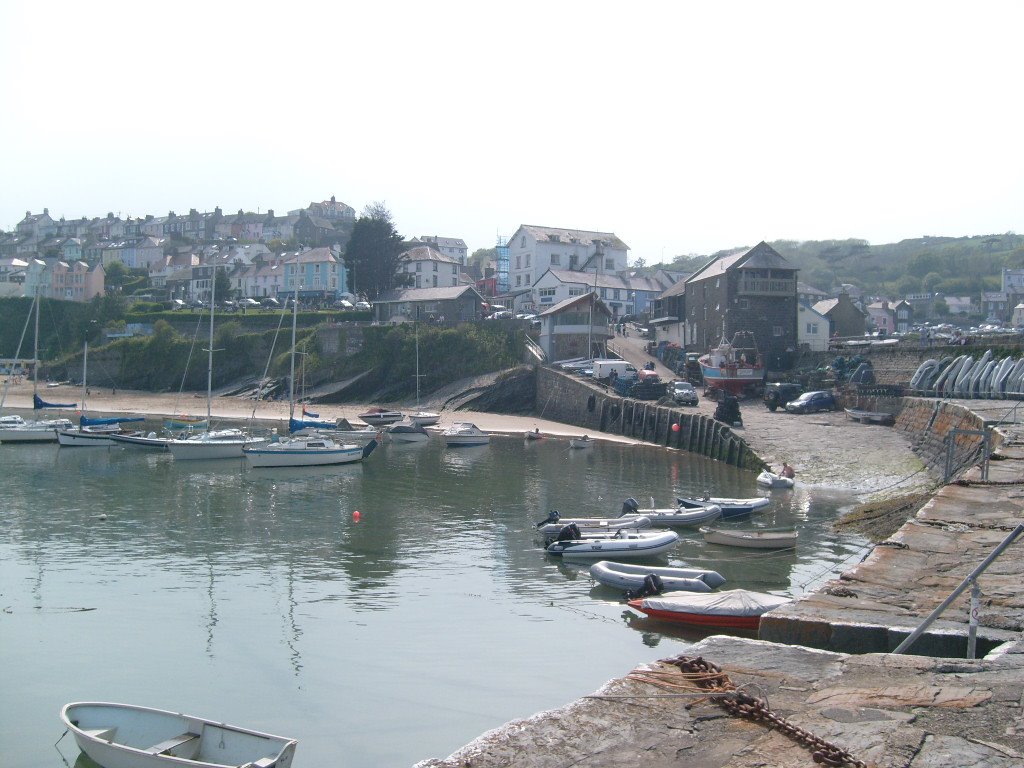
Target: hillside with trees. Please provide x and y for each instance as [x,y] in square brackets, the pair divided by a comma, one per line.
[955,266]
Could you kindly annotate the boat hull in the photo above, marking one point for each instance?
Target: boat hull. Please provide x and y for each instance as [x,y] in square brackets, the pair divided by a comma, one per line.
[124,736]
[730,507]
[631,576]
[751,539]
[732,609]
[271,457]
[771,480]
[28,435]
[141,441]
[71,438]
[621,546]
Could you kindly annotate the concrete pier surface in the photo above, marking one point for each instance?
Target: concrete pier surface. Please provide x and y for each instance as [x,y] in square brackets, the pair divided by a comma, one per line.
[883,710]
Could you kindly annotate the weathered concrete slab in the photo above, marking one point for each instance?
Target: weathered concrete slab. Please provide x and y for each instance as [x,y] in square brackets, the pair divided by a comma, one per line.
[884,710]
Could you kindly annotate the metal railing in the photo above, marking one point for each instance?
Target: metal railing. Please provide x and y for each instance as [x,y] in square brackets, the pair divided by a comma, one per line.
[972,582]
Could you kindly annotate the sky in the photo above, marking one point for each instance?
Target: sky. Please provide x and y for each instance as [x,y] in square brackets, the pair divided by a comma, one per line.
[682,127]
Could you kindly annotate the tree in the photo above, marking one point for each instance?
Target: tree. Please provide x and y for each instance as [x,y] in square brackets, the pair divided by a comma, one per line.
[482,257]
[374,252]
[114,276]
[222,283]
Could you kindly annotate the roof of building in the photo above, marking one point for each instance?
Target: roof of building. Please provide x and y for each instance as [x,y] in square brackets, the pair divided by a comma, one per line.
[572,301]
[446,242]
[446,293]
[761,256]
[567,236]
[426,253]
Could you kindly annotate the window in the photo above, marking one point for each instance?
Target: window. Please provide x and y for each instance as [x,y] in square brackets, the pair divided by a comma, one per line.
[528,260]
[776,330]
[556,259]
[519,262]
[812,329]
[435,269]
[419,266]
[519,281]
[546,292]
[526,279]
[609,264]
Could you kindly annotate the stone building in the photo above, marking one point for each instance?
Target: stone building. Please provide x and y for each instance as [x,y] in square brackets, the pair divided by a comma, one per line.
[752,290]
[844,318]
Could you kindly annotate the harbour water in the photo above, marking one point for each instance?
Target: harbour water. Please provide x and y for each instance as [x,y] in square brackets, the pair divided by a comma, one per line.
[254,597]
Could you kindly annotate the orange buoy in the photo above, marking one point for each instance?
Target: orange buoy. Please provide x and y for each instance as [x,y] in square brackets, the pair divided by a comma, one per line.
[675,427]
[356,517]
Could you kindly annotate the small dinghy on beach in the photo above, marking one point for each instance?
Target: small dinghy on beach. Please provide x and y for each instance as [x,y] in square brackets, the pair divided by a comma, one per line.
[631,577]
[128,736]
[771,480]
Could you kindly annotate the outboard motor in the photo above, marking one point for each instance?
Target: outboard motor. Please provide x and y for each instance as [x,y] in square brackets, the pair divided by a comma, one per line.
[652,585]
[571,532]
[552,517]
[629,506]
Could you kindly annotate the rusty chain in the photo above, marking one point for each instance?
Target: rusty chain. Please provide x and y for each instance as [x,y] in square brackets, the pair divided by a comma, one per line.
[709,677]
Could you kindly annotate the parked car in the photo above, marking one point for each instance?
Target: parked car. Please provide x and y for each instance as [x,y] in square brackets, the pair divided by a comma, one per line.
[812,402]
[502,314]
[682,393]
[247,302]
[776,395]
[271,303]
[344,304]
[363,306]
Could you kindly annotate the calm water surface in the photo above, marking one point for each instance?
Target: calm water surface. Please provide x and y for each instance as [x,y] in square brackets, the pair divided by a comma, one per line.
[252,597]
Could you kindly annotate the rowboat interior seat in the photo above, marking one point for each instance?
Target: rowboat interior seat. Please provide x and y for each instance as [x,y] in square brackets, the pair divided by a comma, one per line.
[107,734]
[177,741]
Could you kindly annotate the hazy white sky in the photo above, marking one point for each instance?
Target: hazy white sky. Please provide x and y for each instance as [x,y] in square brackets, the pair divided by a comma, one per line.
[683,127]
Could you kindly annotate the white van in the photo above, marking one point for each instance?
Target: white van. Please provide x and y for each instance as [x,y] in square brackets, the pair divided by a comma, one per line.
[623,368]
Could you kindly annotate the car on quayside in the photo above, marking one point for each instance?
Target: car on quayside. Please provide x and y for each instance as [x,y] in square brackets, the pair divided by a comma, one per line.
[812,402]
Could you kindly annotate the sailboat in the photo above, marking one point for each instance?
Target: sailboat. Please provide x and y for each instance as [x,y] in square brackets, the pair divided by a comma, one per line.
[218,443]
[421,418]
[15,429]
[91,432]
[303,450]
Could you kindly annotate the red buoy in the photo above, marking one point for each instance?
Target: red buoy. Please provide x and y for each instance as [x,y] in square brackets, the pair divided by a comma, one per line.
[356,517]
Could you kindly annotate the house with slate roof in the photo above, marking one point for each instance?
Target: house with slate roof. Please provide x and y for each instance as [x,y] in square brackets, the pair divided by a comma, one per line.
[534,250]
[751,290]
[457,303]
[845,318]
[576,327]
[449,246]
[427,267]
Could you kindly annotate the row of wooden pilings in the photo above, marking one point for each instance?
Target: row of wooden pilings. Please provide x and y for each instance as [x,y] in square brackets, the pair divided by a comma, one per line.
[572,400]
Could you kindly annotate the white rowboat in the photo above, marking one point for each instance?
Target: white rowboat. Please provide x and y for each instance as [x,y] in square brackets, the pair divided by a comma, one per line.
[751,539]
[127,736]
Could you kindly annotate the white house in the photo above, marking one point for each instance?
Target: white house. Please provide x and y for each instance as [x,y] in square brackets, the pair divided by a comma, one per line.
[811,328]
[430,268]
[557,285]
[534,250]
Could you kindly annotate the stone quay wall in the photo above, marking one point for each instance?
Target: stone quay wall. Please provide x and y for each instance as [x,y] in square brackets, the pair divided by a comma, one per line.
[929,424]
[571,400]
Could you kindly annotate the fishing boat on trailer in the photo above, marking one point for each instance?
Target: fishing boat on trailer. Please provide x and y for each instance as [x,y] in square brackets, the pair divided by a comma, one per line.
[464,433]
[630,576]
[730,609]
[734,367]
[621,544]
[127,736]
[756,539]
[730,507]
[771,480]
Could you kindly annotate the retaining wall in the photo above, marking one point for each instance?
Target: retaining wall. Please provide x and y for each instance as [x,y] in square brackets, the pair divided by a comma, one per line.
[565,398]
[928,423]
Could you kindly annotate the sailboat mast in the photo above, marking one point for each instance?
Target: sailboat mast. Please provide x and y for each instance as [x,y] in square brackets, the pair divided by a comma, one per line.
[85,373]
[417,327]
[209,364]
[35,352]
[295,320]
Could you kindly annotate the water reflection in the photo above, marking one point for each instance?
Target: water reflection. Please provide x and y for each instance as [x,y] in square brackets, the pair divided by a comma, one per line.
[212,570]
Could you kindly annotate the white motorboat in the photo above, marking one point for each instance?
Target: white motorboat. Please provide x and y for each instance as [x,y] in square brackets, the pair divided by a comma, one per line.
[381,417]
[425,418]
[305,451]
[772,480]
[408,431]
[673,517]
[128,736]
[40,431]
[629,576]
[730,507]
[218,444]
[581,442]
[463,433]
[756,539]
[622,544]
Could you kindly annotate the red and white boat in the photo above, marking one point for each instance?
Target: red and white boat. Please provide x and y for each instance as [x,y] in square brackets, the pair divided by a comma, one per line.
[733,366]
[731,609]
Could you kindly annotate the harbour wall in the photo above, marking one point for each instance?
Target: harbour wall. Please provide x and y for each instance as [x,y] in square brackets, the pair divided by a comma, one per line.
[571,400]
